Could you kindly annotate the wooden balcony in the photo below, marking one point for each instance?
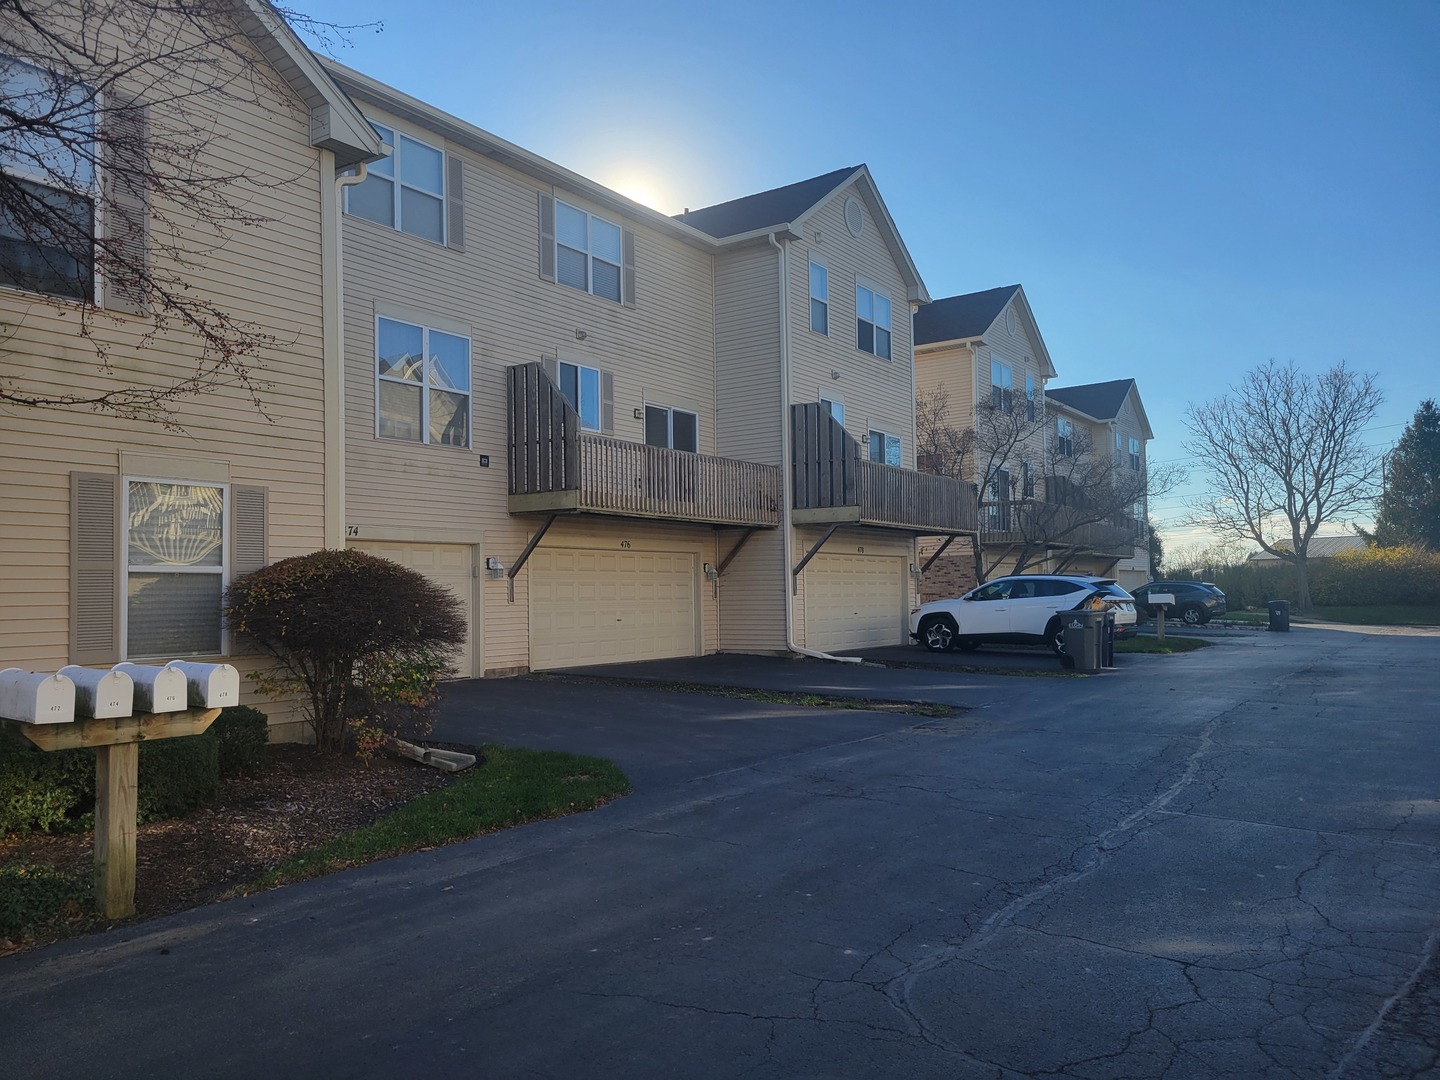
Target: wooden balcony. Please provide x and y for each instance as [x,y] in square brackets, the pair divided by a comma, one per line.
[835,483]
[557,468]
[1038,523]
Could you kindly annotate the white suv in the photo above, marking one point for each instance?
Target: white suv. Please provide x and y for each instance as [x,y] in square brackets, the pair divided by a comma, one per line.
[1023,609]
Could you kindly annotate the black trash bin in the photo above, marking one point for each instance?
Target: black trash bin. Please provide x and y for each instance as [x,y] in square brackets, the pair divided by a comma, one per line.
[1279,614]
[1107,642]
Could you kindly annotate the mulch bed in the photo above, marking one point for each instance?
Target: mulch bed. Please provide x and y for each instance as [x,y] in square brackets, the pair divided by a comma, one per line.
[260,820]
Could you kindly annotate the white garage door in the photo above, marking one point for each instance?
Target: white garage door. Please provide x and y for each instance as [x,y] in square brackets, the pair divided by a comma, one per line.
[600,607]
[854,602]
[444,564]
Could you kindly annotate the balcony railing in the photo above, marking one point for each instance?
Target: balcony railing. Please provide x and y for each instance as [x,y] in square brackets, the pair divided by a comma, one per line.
[555,467]
[1027,521]
[835,483]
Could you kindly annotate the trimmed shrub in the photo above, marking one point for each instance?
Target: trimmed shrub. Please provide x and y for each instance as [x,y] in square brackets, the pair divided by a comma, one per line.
[177,775]
[1377,576]
[244,737]
[32,896]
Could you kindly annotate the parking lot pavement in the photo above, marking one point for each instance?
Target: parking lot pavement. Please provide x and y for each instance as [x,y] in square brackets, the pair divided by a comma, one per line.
[1222,864]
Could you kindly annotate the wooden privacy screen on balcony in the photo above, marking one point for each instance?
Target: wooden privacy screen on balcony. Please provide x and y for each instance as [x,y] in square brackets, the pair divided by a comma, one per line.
[555,467]
[835,482]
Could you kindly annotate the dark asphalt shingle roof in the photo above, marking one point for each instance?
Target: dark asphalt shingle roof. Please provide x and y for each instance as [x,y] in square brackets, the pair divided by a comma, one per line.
[1102,400]
[959,317]
[764,209]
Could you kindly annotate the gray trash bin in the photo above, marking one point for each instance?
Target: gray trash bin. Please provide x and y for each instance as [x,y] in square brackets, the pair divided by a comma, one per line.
[1279,614]
[1084,638]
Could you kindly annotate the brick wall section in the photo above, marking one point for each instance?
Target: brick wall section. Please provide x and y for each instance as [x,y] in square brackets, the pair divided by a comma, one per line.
[951,574]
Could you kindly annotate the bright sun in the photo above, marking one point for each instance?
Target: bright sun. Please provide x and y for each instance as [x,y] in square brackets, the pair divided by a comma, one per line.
[635,184]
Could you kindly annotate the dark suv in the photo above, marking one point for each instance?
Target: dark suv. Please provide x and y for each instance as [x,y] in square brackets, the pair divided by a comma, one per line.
[1196,602]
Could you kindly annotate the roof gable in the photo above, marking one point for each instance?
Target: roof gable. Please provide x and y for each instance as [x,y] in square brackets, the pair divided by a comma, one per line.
[1101,401]
[972,316]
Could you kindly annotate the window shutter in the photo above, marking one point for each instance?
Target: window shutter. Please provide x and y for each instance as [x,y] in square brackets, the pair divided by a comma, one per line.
[627,287]
[607,402]
[94,568]
[249,507]
[454,203]
[125,215]
[547,237]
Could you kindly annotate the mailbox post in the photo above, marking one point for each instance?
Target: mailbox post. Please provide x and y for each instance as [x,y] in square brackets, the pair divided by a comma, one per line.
[35,707]
[1160,601]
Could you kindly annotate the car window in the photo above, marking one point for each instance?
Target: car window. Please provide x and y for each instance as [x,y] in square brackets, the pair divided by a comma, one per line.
[996,590]
[1022,590]
[1065,588]
[1113,591]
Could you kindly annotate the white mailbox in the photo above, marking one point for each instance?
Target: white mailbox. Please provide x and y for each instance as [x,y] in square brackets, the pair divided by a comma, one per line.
[157,689]
[35,698]
[211,686]
[101,694]
[1155,599]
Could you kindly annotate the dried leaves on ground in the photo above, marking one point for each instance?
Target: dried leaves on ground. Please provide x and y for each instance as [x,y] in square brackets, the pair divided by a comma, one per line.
[261,819]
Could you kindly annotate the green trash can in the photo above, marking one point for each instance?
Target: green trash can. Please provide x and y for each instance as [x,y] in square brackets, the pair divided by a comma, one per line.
[1085,638]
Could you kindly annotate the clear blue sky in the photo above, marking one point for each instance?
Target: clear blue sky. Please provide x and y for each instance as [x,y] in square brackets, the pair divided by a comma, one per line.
[1184,190]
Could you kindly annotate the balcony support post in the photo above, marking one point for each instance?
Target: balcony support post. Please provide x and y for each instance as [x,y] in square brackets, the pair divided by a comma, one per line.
[795,574]
[725,562]
[940,551]
[515,567]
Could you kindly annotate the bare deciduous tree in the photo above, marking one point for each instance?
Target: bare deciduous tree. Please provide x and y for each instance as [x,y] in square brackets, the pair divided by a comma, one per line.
[114,185]
[1283,455]
[1040,496]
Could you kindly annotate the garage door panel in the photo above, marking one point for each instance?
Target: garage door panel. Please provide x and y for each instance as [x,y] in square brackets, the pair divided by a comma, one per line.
[448,565]
[589,607]
[854,602]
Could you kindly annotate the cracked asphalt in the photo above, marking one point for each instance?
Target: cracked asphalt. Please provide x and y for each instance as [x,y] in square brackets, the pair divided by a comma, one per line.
[1219,864]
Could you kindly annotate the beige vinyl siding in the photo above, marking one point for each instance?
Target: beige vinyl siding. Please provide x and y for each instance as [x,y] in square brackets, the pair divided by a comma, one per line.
[953,370]
[752,593]
[268,274]
[661,351]
[877,393]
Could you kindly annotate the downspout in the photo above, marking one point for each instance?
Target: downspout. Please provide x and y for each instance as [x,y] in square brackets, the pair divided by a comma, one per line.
[332,313]
[787,480]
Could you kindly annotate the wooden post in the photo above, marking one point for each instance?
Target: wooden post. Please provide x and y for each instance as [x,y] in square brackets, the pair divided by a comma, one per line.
[1160,622]
[116,775]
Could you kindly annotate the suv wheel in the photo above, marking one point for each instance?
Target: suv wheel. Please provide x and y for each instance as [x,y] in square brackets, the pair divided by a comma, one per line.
[937,633]
[1055,636]
[1193,615]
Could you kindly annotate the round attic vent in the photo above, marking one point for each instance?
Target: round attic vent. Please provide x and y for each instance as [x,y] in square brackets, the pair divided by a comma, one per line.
[854,217]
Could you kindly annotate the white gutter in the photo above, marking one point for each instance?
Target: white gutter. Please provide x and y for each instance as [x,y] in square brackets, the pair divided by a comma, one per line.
[332,311]
[787,481]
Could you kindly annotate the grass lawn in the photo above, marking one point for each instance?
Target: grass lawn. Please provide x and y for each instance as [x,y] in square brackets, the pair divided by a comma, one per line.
[1147,643]
[513,786]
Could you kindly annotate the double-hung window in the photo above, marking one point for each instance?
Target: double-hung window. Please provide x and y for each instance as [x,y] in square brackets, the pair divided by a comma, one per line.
[406,190]
[1065,437]
[587,252]
[1027,480]
[1135,454]
[175,569]
[872,320]
[581,387]
[1031,403]
[819,299]
[884,448]
[423,389]
[675,428]
[47,150]
[1000,386]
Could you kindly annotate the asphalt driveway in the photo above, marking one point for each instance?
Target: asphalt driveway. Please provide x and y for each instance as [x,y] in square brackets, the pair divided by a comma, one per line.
[1219,864]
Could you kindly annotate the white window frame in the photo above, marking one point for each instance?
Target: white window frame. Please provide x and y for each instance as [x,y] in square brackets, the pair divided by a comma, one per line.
[1032,401]
[670,414]
[590,258]
[877,298]
[223,570]
[882,443]
[1065,436]
[398,184]
[1002,394]
[88,191]
[1135,454]
[820,297]
[581,398]
[425,384]
[836,408]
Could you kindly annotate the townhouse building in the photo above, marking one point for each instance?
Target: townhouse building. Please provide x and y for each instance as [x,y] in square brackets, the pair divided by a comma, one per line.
[118,534]
[619,435]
